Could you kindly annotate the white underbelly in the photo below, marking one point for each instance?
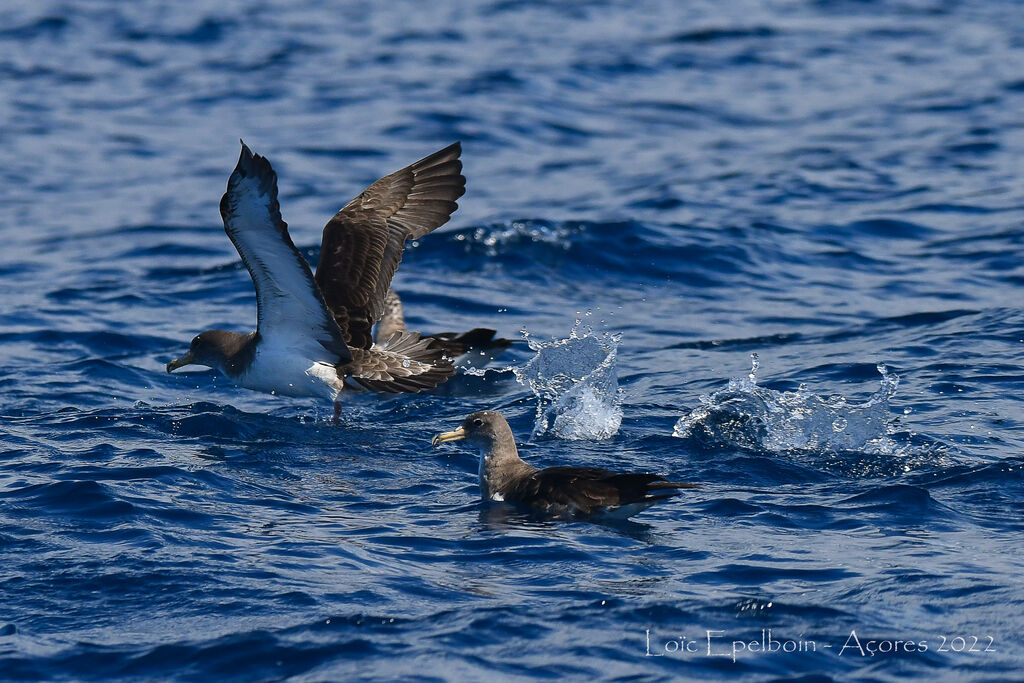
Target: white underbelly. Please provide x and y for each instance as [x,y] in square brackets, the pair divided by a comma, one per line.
[286,373]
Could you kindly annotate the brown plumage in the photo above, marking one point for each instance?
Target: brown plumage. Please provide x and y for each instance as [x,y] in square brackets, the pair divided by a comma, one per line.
[478,344]
[405,362]
[587,490]
[363,244]
[313,332]
[564,491]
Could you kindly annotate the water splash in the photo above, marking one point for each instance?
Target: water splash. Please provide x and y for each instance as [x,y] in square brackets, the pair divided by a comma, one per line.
[576,384]
[748,416]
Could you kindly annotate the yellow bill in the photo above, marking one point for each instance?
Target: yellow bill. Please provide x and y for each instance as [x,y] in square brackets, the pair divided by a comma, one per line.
[444,437]
[187,359]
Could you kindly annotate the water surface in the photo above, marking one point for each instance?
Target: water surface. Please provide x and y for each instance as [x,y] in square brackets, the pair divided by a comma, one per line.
[829,185]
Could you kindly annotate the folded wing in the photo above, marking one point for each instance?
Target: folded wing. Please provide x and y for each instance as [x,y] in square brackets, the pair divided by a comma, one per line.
[591,489]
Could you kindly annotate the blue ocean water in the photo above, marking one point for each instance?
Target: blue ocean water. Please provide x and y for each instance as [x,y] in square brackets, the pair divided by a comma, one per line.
[773,248]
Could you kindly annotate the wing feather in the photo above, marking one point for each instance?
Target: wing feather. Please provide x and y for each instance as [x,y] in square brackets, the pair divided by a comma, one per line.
[405,362]
[289,303]
[363,243]
[592,489]
[479,341]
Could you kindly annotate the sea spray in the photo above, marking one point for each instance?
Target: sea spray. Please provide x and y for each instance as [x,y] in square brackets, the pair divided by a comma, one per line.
[576,384]
[749,416]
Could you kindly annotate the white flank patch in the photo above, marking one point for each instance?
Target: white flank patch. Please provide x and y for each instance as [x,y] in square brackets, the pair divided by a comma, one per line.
[289,371]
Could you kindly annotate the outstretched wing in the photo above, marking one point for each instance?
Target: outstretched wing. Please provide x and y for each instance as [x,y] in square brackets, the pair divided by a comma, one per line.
[289,302]
[362,245]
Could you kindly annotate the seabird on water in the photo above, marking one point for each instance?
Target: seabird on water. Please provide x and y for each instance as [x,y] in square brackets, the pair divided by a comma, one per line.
[560,491]
[473,349]
[313,333]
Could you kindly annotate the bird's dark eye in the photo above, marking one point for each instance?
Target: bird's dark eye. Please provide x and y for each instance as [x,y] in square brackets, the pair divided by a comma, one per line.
[478,422]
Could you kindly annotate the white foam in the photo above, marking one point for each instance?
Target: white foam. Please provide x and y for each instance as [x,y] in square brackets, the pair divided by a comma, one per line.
[746,415]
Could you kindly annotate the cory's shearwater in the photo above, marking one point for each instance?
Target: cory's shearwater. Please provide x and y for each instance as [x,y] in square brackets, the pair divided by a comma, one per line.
[313,333]
[560,491]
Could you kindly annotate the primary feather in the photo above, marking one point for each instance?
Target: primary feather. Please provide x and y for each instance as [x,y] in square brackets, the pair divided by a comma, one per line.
[363,243]
[289,304]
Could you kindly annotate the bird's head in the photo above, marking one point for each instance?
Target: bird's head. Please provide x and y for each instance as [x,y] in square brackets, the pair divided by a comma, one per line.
[210,348]
[482,429]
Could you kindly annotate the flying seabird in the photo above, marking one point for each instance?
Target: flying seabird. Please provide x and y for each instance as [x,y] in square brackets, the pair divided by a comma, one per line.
[473,349]
[560,491]
[313,333]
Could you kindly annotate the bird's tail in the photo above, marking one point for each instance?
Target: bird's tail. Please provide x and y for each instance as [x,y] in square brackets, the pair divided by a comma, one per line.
[477,340]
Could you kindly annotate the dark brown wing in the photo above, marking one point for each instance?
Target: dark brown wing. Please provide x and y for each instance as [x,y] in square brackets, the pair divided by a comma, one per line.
[362,245]
[405,362]
[590,489]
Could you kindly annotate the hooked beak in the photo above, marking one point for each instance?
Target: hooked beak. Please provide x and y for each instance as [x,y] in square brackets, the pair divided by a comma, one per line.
[444,437]
[187,359]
